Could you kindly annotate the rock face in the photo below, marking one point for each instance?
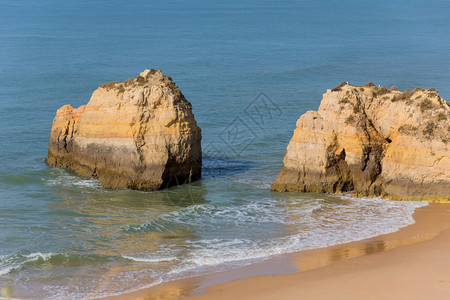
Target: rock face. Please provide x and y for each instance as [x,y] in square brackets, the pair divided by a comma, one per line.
[139,134]
[373,141]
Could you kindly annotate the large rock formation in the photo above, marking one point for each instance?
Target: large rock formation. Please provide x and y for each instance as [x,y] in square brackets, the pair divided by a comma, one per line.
[373,141]
[139,134]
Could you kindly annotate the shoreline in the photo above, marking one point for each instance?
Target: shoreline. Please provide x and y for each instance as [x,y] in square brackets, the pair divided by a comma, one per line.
[339,267]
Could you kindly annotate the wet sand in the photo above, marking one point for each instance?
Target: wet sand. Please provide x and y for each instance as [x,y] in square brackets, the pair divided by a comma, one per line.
[412,263]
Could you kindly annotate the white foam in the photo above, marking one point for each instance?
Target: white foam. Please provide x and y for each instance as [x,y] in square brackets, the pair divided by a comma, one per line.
[37,255]
[255,212]
[150,260]
[219,252]
[5,271]
[67,180]
[257,183]
[13,262]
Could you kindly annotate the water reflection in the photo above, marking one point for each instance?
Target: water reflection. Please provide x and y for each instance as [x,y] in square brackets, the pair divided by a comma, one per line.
[93,221]
[186,194]
[317,258]
[87,249]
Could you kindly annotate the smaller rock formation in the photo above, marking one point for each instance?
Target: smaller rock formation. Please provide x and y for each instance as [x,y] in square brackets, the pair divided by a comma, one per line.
[140,134]
[373,141]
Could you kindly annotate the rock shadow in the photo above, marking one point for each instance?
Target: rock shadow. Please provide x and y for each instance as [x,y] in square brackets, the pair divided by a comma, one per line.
[220,167]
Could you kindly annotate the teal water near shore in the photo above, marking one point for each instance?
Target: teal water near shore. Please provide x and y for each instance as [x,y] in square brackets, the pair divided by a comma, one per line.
[250,69]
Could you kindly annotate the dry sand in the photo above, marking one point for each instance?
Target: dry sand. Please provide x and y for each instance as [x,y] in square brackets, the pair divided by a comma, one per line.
[412,263]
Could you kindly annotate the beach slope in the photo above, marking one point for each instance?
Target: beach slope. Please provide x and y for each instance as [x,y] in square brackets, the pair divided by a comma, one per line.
[409,264]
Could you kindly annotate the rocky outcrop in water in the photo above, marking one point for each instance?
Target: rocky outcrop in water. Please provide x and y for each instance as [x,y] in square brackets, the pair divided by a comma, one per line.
[140,134]
[373,141]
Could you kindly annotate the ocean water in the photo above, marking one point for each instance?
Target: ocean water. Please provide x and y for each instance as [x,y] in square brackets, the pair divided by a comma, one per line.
[250,69]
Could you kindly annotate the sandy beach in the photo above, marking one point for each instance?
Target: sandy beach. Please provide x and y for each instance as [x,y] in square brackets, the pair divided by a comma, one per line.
[411,263]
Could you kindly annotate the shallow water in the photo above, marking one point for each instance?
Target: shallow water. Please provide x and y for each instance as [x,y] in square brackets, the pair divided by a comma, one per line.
[250,69]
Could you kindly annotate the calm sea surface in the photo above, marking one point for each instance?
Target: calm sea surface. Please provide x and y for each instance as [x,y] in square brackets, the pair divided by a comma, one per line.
[250,69]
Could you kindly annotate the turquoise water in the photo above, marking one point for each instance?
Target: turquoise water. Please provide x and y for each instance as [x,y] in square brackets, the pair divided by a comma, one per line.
[248,67]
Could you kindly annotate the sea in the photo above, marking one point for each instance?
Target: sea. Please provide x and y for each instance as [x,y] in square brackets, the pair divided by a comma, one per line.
[250,69]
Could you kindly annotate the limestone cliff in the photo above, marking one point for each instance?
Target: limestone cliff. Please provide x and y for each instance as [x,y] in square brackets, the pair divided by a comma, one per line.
[373,141]
[139,134]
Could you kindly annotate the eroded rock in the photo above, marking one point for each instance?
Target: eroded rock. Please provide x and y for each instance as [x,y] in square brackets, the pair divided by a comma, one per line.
[140,134]
[373,141]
